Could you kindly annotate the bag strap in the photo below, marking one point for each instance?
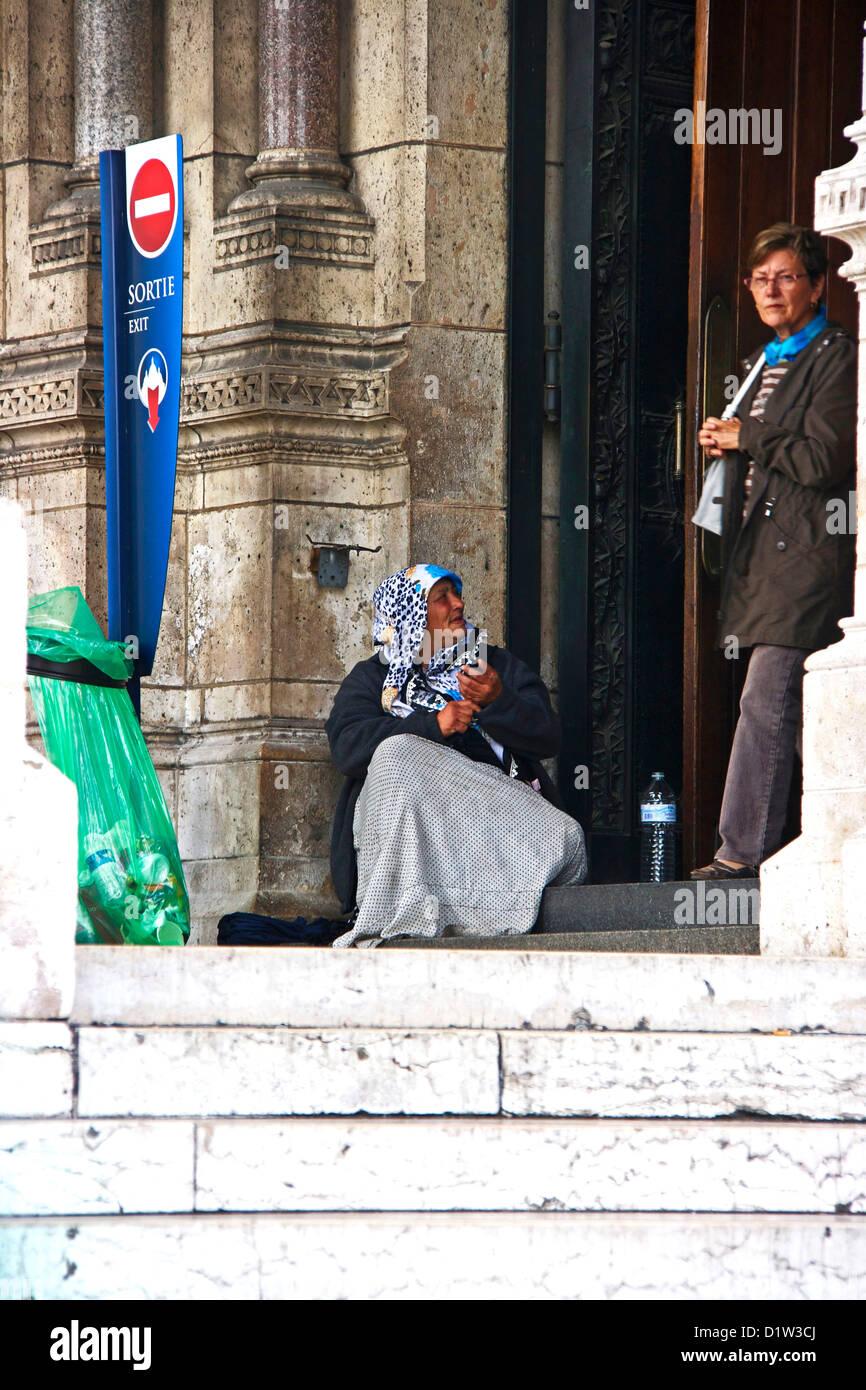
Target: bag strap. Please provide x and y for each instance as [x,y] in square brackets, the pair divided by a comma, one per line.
[730,409]
[82,672]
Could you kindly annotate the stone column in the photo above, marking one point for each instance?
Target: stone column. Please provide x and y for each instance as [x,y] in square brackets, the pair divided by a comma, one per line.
[38,825]
[287,444]
[87,76]
[113,90]
[813,893]
[299,114]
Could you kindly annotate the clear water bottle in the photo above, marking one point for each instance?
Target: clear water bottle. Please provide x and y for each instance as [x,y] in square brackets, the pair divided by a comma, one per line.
[658,817]
[106,874]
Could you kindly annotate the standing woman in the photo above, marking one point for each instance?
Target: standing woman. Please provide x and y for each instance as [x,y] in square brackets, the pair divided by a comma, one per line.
[788,563]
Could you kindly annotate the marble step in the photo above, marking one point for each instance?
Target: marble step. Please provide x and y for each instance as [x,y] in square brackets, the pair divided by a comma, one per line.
[579,1072]
[318,987]
[36,1069]
[81,1168]
[285,1071]
[441,1256]
[701,941]
[640,907]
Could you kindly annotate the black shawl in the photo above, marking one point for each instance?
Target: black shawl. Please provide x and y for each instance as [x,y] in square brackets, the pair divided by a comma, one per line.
[521,718]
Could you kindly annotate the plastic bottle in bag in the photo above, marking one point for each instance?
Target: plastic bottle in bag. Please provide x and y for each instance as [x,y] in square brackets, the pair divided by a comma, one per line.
[153,866]
[121,840]
[84,927]
[162,929]
[168,895]
[107,875]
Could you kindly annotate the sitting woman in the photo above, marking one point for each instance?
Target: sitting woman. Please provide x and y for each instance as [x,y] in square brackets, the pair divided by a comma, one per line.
[447,822]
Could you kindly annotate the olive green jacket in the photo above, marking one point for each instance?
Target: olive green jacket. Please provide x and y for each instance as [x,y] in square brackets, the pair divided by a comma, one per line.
[789,564]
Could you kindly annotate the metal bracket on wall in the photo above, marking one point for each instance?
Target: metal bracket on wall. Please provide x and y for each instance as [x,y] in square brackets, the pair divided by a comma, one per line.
[552,380]
[332,562]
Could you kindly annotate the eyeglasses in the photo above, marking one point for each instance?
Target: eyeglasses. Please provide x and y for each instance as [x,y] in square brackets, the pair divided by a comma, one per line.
[757,283]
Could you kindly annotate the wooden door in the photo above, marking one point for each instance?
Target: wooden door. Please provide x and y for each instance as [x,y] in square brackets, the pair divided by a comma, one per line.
[800,59]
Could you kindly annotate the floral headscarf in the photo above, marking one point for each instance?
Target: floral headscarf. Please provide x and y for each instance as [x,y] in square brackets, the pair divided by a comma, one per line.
[399,627]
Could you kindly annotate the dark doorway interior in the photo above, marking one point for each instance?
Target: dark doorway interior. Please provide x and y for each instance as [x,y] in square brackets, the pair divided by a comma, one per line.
[625,322]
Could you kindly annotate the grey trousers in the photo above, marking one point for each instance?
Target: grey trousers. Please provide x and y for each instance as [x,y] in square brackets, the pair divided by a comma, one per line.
[769,731]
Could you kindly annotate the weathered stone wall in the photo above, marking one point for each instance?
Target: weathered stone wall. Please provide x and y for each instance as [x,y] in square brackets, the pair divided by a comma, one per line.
[450,391]
[333,301]
[38,820]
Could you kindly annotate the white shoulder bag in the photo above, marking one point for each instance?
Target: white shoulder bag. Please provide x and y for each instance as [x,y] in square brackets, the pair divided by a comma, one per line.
[709,513]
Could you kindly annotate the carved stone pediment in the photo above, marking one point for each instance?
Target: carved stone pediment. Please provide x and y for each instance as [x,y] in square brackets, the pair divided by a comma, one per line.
[279,389]
[343,238]
[55,395]
[840,202]
[66,243]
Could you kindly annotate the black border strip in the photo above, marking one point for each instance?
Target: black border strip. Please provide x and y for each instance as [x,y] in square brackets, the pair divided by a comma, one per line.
[82,672]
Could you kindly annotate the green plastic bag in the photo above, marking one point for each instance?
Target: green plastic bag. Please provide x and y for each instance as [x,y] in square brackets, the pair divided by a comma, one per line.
[130,878]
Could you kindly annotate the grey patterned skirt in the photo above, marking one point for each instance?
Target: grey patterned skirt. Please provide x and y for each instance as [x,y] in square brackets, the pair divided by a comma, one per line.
[449,846]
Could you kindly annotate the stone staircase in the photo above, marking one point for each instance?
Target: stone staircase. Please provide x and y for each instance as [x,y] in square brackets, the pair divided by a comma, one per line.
[681,917]
[500,1124]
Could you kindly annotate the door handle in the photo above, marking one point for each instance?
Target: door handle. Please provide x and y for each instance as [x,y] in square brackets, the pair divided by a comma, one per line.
[718,355]
[679,440]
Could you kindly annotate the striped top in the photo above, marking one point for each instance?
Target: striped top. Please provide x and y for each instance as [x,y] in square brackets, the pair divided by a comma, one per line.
[770,378]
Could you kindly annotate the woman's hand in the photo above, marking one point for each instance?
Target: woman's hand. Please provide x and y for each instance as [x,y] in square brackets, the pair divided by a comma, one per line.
[480,684]
[718,435]
[456,716]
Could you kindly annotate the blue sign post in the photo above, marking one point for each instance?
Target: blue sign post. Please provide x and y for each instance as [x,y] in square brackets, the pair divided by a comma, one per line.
[141,191]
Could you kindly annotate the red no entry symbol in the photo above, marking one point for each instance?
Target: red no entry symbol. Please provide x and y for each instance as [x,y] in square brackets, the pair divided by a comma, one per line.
[151,207]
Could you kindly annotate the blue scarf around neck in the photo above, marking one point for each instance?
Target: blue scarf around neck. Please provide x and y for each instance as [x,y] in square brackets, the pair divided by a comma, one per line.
[783,349]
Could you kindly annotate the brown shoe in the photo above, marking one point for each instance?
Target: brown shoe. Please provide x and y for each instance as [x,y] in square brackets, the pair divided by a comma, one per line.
[719,870]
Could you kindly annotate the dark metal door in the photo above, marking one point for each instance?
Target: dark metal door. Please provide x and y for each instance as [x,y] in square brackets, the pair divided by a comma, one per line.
[630,70]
